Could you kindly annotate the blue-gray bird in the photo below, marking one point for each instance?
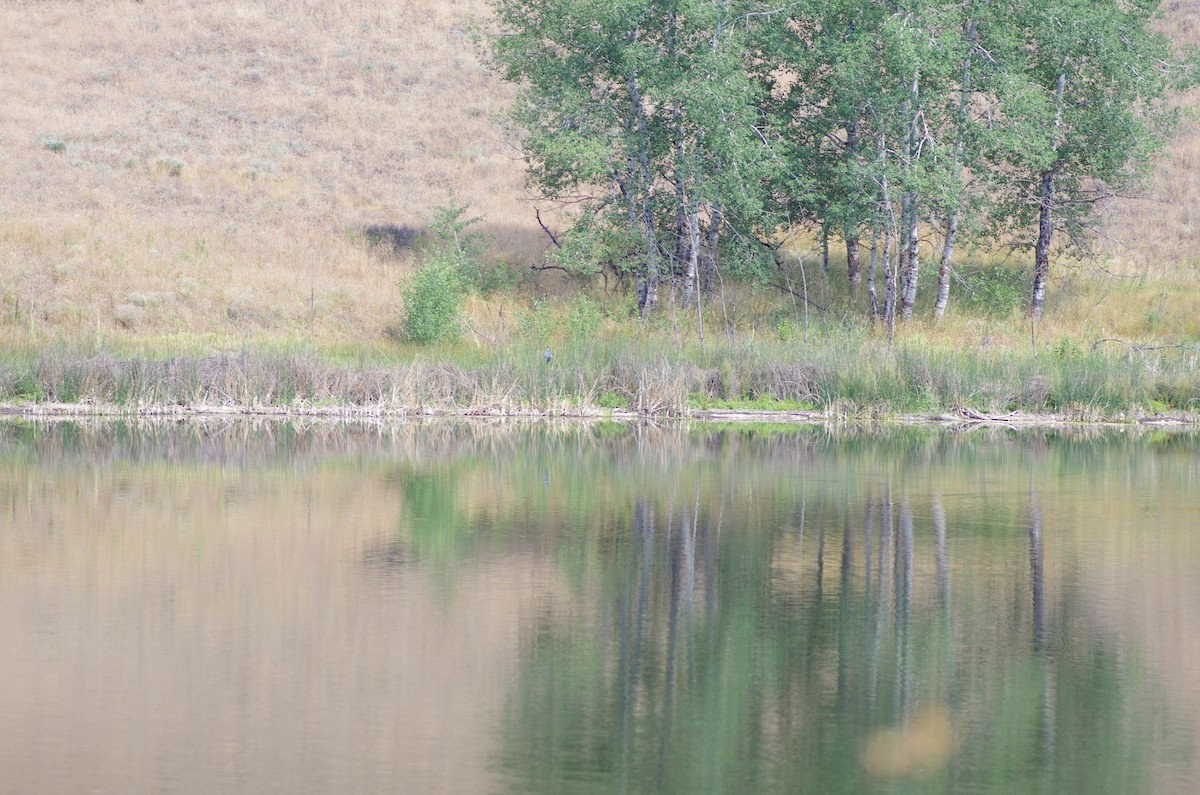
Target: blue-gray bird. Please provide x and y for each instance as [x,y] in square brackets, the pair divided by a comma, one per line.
[549,355]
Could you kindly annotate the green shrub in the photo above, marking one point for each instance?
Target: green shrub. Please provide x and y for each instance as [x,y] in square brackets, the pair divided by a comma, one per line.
[433,301]
[56,145]
[499,278]
[537,323]
[590,246]
[1067,350]
[994,291]
[584,317]
[172,166]
[454,240]
[451,266]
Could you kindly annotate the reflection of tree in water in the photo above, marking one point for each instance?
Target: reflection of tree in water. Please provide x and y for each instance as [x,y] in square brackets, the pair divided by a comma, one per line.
[758,613]
[722,660]
[729,624]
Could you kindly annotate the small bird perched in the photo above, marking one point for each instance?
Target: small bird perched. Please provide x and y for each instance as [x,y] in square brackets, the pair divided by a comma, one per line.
[549,355]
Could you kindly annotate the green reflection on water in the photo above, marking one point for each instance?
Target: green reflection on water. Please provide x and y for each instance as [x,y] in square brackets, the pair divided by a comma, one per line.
[800,610]
[786,613]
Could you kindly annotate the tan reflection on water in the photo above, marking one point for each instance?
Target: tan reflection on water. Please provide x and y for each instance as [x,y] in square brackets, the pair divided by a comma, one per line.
[241,629]
[921,746]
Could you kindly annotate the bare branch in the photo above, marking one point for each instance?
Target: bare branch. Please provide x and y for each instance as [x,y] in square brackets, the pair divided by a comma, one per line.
[1136,347]
[538,214]
[795,294]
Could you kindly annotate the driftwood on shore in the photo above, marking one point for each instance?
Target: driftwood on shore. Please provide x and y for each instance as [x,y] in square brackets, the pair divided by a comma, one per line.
[961,417]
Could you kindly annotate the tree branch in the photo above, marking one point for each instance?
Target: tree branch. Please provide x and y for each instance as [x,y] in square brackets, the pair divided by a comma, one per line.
[1136,347]
[538,214]
[795,294]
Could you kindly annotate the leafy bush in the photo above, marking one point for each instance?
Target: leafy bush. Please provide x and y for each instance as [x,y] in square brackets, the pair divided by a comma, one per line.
[172,166]
[590,246]
[432,301]
[451,266]
[502,277]
[994,291]
[1067,350]
[537,323]
[455,241]
[584,317]
[56,145]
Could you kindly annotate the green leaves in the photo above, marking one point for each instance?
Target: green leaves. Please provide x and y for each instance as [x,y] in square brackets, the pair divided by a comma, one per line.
[640,114]
[452,265]
[736,118]
[432,302]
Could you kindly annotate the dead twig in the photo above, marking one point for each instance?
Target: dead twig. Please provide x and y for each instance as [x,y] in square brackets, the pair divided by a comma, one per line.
[553,238]
[975,416]
[1135,346]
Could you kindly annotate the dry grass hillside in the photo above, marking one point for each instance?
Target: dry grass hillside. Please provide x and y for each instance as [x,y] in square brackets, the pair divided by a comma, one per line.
[200,171]
[201,168]
[1159,235]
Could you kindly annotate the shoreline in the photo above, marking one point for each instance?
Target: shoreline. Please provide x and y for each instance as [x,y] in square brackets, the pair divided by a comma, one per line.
[960,418]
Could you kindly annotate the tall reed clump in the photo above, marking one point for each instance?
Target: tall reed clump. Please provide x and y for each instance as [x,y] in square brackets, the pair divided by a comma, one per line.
[920,377]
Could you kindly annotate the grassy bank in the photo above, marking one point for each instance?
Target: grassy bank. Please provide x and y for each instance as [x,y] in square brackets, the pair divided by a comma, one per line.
[845,374]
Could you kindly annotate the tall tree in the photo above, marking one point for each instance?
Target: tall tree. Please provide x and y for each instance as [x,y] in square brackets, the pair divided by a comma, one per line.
[1081,111]
[673,126]
[962,118]
[641,114]
[820,64]
[856,87]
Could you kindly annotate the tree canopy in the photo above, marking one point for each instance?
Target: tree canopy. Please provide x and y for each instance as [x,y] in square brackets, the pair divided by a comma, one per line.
[687,136]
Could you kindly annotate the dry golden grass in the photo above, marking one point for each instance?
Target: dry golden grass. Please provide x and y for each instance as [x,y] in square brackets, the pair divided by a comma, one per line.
[199,171]
[1158,236]
[213,161]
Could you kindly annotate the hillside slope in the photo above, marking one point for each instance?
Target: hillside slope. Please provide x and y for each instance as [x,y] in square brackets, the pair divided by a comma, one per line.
[200,170]
[198,167]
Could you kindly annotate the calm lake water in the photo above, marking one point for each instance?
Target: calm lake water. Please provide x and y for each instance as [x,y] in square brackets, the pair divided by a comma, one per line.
[260,607]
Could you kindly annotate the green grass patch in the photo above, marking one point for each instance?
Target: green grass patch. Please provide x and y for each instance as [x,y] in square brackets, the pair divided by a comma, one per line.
[746,404]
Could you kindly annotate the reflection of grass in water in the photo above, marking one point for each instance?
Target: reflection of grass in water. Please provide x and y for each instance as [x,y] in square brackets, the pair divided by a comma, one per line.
[433,528]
